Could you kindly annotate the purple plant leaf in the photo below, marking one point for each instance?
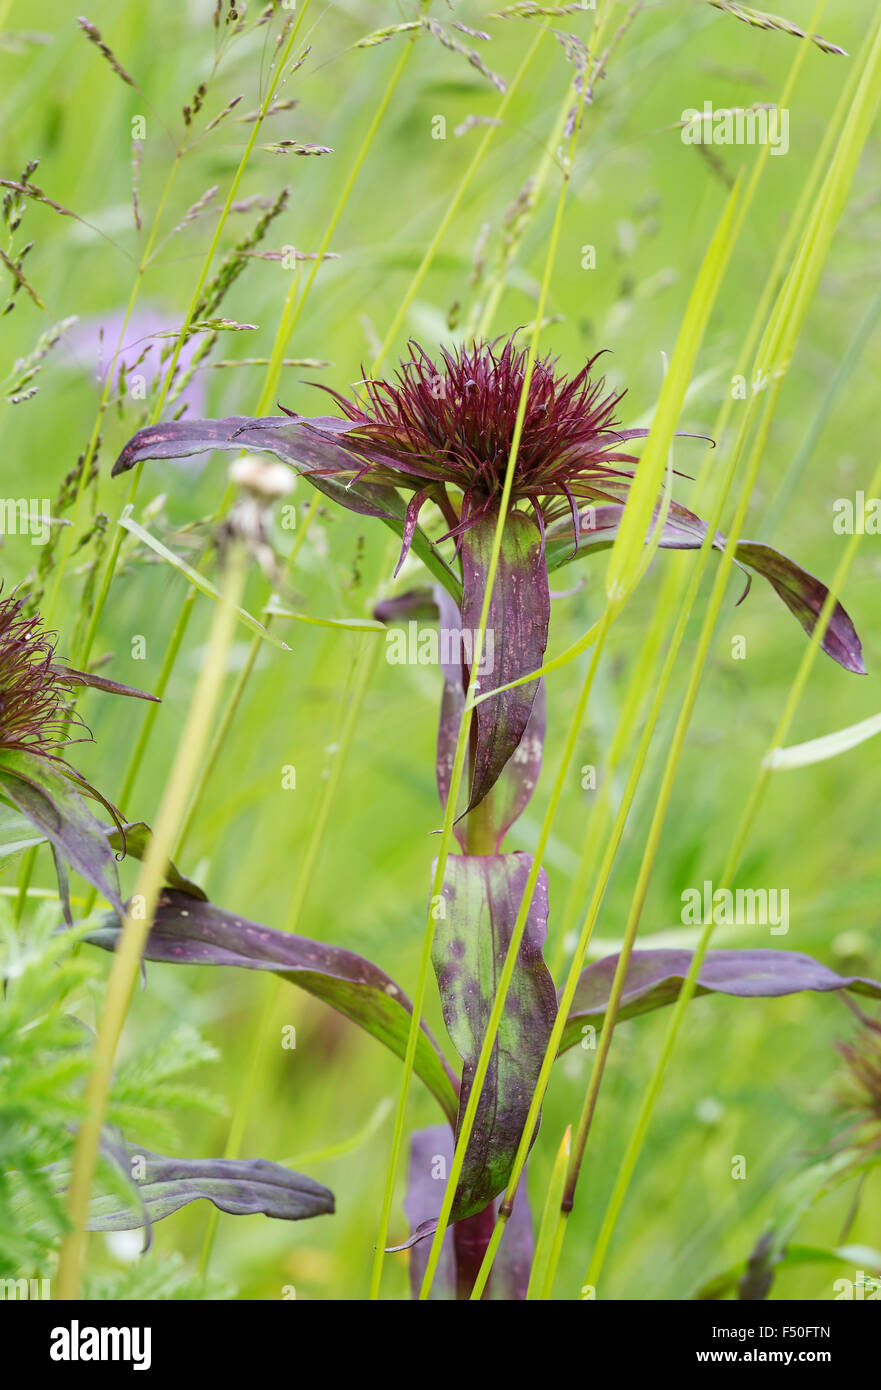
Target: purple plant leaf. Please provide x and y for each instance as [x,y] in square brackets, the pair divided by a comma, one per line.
[514,788]
[133,840]
[193,932]
[654,978]
[239,1186]
[482,895]
[411,517]
[314,447]
[431,1153]
[517,626]
[68,674]
[407,607]
[61,816]
[803,594]
[516,784]
[452,706]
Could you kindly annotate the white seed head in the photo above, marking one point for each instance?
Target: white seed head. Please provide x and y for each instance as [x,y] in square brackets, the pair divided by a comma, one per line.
[263,477]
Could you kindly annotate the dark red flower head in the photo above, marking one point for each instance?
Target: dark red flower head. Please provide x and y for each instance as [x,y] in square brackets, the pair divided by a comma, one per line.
[36,705]
[444,435]
[33,693]
[431,428]
[36,718]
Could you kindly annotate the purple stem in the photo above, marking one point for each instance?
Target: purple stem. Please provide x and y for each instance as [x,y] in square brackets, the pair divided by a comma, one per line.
[470,1240]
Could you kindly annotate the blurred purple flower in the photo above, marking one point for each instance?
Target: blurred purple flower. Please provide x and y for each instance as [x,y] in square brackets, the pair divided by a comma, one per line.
[92,348]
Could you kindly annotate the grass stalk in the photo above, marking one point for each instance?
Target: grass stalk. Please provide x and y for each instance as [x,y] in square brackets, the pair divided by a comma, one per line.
[691,333]
[30,859]
[92,445]
[795,469]
[653,1090]
[777,346]
[446,221]
[352,701]
[113,554]
[341,203]
[287,324]
[547,1233]
[140,914]
[669,600]
[645,676]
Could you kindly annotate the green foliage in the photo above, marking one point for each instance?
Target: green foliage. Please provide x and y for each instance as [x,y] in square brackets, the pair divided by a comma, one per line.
[156,1277]
[147,1086]
[43,1063]
[49,987]
[344,855]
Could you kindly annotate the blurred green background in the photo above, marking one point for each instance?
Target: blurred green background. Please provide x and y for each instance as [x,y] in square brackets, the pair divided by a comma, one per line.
[749,1078]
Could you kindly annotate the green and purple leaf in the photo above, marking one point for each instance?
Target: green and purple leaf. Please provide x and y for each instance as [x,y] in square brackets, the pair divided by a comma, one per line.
[193,932]
[654,978]
[314,447]
[238,1186]
[60,814]
[482,896]
[514,788]
[133,839]
[517,627]
[803,594]
[515,785]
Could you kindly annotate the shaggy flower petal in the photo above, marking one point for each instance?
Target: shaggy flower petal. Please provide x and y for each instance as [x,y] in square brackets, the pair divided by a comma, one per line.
[431,429]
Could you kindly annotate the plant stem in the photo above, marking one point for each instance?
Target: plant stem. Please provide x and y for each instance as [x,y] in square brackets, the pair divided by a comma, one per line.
[458,765]
[467,1119]
[458,762]
[470,1240]
[481,835]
